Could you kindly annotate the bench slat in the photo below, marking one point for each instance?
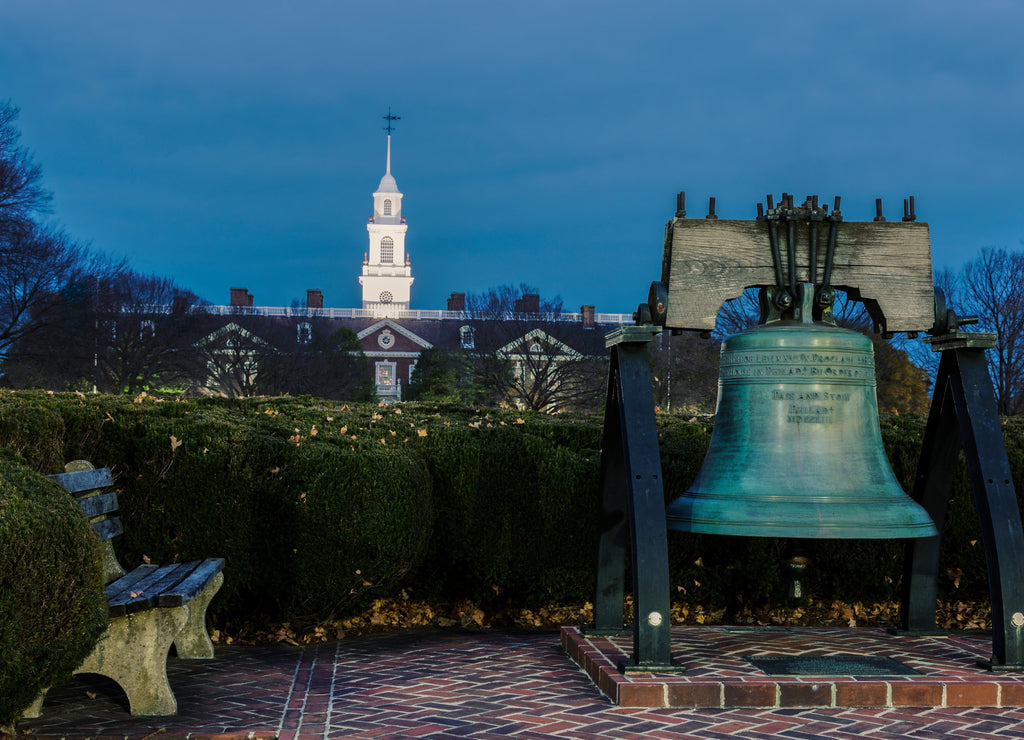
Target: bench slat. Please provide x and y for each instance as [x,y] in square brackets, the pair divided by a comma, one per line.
[143,593]
[170,576]
[99,504]
[83,480]
[188,588]
[108,528]
[119,592]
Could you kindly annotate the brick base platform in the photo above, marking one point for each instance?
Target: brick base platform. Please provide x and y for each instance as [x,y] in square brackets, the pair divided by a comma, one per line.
[717,674]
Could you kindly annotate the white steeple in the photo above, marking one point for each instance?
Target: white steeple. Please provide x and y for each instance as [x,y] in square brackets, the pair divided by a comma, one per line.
[387,273]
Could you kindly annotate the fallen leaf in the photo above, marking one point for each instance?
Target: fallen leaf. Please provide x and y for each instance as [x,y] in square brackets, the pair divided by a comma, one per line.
[146,560]
[175,443]
[422,432]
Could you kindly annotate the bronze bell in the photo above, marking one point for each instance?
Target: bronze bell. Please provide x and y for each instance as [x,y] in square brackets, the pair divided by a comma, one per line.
[796,449]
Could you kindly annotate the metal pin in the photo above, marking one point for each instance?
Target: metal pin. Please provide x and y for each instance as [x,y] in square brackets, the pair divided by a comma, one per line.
[711,209]
[878,210]
[771,201]
[760,210]
[681,204]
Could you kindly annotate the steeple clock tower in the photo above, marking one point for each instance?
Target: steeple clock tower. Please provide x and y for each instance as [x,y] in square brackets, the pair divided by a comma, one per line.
[387,273]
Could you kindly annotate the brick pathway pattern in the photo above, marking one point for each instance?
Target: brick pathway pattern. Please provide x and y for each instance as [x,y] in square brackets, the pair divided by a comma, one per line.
[453,684]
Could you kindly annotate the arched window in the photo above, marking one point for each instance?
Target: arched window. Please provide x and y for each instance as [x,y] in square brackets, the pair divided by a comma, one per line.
[387,207]
[387,249]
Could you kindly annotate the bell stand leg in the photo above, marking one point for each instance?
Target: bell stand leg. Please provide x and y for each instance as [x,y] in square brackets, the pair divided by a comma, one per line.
[964,399]
[632,493]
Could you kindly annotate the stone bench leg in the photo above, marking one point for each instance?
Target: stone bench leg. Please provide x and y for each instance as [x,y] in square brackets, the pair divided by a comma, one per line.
[133,652]
[194,641]
[36,707]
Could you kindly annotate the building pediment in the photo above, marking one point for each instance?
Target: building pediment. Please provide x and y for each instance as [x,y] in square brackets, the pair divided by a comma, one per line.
[389,328]
[231,331]
[538,341]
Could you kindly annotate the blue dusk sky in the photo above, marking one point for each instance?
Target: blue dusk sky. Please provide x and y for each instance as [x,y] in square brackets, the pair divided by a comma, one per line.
[235,143]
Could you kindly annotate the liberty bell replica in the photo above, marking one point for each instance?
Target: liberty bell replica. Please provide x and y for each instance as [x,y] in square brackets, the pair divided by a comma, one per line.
[796,449]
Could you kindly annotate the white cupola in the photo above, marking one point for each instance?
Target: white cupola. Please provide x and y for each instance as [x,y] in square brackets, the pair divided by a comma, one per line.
[387,272]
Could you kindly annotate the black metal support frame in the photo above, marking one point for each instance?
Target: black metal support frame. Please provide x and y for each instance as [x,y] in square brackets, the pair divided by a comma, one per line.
[633,496]
[963,416]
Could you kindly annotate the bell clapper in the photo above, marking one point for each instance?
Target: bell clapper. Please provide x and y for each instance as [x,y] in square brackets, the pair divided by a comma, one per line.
[797,565]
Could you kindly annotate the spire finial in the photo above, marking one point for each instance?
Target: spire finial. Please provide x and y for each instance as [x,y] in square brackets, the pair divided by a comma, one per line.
[389,128]
[390,118]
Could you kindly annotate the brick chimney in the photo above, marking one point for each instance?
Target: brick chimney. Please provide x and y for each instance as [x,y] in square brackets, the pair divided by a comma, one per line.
[587,312]
[529,303]
[457,302]
[240,297]
[314,299]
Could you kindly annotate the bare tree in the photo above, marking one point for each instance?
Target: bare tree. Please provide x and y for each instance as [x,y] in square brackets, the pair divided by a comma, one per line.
[37,261]
[37,265]
[143,332]
[230,357]
[22,195]
[684,372]
[991,286]
[314,358]
[525,356]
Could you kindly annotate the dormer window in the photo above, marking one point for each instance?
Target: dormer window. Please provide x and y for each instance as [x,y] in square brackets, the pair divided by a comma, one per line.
[387,249]
[387,207]
[466,337]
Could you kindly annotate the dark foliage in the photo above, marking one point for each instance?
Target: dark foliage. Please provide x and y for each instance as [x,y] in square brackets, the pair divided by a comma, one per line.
[52,607]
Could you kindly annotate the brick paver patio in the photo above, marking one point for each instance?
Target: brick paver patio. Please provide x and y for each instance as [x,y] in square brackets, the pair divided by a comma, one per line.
[485,684]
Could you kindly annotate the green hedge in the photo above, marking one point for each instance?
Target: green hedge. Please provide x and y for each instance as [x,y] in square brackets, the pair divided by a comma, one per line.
[51,586]
[320,507]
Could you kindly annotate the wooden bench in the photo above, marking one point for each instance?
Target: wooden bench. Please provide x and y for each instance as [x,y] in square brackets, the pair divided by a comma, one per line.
[150,608]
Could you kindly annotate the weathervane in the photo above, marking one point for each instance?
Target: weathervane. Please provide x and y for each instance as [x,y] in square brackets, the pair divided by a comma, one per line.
[389,118]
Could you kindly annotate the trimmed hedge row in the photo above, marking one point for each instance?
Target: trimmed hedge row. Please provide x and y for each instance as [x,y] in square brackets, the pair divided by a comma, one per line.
[321,507]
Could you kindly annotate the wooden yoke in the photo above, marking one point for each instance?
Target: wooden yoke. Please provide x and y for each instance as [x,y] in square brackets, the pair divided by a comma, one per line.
[706,262]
